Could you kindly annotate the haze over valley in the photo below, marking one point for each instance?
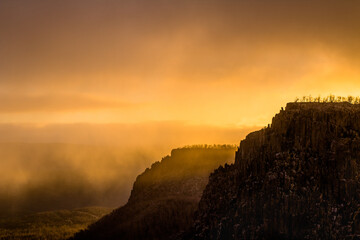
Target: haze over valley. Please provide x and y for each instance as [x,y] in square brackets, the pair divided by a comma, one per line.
[80,165]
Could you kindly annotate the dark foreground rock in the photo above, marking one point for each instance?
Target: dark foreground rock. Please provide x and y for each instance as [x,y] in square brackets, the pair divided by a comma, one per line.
[296,179]
[164,198]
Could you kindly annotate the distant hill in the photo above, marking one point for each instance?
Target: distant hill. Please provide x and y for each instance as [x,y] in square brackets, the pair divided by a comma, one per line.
[299,178]
[164,197]
[54,225]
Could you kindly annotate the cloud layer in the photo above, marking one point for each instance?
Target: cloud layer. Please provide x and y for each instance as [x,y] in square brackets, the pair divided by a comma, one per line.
[180,59]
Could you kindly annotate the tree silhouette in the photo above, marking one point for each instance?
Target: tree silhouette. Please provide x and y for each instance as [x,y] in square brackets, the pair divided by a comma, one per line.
[328,99]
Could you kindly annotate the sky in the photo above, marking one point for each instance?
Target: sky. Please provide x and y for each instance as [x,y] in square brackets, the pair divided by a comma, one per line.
[226,64]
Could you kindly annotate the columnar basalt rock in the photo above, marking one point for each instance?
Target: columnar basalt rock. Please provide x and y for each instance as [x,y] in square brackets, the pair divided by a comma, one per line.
[296,179]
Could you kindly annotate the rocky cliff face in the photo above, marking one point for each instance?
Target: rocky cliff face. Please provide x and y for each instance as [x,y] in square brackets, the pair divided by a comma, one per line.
[164,198]
[296,179]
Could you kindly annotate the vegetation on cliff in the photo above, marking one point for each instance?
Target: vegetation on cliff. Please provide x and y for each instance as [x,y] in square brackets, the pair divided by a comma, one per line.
[329,99]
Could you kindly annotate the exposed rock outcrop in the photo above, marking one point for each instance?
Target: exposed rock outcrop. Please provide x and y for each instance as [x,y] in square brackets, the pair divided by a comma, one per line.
[296,179]
[164,198]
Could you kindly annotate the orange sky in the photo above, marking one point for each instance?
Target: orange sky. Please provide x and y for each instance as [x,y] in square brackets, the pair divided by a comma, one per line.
[221,63]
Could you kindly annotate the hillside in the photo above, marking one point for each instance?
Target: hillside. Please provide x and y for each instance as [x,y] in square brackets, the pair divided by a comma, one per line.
[54,225]
[164,197]
[296,179]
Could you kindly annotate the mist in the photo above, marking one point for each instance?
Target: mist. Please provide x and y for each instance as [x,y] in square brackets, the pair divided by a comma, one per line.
[76,165]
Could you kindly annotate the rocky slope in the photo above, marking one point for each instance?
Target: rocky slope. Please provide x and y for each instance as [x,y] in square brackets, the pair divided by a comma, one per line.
[164,198]
[296,179]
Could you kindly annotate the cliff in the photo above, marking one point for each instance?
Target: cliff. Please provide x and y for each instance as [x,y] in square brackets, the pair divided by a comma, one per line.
[164,197]
[296,179]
